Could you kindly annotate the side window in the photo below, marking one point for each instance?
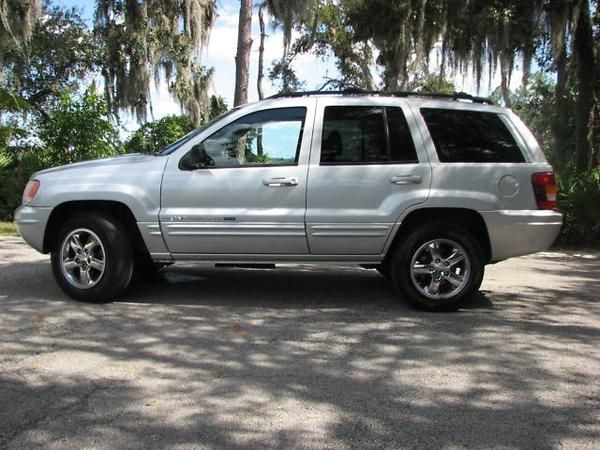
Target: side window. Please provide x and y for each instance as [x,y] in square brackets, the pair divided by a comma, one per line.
[365,134]
[470,136]
[270,137]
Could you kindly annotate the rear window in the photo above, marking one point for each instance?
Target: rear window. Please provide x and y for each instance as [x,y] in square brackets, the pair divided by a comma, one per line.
[471,136]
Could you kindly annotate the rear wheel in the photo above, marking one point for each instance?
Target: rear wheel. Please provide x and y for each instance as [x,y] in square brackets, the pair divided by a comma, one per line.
[92,260]
[438,266]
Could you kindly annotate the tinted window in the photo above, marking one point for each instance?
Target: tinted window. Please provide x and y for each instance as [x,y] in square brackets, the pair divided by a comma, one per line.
[402,148]
[353,134]
[470,136]
[358,134]
[270,137]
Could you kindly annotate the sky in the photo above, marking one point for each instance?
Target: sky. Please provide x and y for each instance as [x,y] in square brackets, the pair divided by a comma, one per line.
[220,54]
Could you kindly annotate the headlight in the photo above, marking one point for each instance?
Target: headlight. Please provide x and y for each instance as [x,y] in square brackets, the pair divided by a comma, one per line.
[31,189]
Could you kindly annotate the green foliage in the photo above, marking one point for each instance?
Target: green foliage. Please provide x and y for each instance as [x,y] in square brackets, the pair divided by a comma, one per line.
[535,104]
[7,229]
[283,74]
[144,40]
[218,106]
[153,136]
[579,201]
[434,84]
[60,54]
[80,128]
[329,33]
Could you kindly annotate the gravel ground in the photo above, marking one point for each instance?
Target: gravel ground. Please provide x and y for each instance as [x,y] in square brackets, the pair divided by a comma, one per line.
[300,358]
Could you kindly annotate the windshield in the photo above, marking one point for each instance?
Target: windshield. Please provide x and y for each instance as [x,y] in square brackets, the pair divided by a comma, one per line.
[182,140]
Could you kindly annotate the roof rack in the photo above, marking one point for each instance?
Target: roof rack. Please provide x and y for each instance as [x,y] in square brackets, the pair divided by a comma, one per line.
[357,91]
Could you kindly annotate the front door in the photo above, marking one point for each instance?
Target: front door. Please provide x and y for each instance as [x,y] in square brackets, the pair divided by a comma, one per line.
[248,196]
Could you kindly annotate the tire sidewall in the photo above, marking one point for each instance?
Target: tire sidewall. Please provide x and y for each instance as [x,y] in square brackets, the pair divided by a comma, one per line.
[402,258]
[118,256]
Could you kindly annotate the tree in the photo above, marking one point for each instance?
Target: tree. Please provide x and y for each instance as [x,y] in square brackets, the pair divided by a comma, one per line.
[284,14]
[218,106]
[152,39]
[153,136]
[242,56]
[17,20]
[61,53]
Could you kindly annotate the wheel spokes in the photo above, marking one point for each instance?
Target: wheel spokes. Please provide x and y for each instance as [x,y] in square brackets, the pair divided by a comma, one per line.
[434,250]
[421,269]
[84,277]
[97,264]
[82,258]
[70,264]
[75,243]
[455,257]
[91,245]
[454,279]
[440,269]
[434,286]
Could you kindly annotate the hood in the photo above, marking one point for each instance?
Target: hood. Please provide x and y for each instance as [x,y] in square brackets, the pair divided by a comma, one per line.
[131,158]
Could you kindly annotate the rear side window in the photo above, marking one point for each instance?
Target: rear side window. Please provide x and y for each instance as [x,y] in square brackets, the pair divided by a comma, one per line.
[471,136]
[366,134]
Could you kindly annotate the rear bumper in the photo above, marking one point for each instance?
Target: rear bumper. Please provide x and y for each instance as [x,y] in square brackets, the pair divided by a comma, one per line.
[516,233]
[30,222]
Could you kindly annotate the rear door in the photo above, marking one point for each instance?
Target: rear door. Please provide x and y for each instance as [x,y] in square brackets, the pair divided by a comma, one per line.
[367,166]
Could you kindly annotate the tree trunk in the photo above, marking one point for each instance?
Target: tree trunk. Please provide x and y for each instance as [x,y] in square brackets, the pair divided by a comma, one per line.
[505,67]
[561,120]
[261,51]
[242,57]
[584,56]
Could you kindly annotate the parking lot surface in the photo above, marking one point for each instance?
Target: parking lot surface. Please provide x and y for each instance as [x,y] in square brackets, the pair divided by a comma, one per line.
[300,357]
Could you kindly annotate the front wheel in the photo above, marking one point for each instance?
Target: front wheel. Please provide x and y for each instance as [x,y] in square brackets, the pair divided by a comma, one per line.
[438,266]
[92,260]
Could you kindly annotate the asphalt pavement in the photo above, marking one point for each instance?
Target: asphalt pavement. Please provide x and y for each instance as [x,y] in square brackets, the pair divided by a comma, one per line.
[301,357]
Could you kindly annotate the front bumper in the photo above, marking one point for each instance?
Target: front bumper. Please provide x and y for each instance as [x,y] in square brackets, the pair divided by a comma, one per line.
[517,233]
[30,222]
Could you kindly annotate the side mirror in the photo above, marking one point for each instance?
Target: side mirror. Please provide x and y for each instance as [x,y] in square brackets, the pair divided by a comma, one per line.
[196,158]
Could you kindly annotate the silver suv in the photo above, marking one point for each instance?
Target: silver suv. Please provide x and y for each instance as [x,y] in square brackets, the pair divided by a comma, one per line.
[425,189]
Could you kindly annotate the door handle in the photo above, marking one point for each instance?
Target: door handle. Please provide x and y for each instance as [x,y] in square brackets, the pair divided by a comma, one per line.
[406,179]
[280,182]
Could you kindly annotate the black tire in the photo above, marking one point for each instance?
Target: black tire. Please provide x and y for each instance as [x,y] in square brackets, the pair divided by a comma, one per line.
[420,288]
[383,269]
[117,258]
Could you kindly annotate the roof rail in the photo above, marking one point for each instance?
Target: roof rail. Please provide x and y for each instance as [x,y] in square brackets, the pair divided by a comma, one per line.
[357,91]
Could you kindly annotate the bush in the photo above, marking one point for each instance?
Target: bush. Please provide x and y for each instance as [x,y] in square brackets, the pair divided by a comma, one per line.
[78,128]
[153,136]
[579,201]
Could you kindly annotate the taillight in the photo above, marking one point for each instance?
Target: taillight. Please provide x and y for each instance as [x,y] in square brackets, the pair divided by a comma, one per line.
[544,187]
[30,190]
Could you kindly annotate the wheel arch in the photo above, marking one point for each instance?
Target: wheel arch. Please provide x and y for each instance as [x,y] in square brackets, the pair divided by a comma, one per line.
[464,217]
[108,208]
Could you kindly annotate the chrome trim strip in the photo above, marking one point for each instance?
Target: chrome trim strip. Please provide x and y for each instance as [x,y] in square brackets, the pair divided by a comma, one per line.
[246,229]
[350,230]
[236,225]
[236,233]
